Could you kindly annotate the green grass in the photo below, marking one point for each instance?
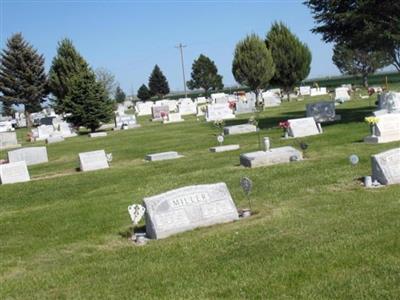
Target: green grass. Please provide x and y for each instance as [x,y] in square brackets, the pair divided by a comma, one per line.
[317,234]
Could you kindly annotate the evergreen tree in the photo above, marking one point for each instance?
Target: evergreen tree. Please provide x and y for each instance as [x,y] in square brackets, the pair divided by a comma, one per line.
[144,93]
[22,76]
[359,62]
[205,75]
[158,84]
[65,65]
[119,95]
[253,65]
[367,24]
[87,103]
[292,58]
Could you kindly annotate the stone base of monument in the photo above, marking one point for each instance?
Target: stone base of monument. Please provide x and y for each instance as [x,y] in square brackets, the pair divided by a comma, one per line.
[163,156]
[130,126]
[380,139]
[225,148]
[97,134]
[239,129]
[173,121]
[272,157]
[54,139]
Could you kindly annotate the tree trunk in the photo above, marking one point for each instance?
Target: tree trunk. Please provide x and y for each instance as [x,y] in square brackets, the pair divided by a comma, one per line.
[28,120]
[288,95]
[365,80]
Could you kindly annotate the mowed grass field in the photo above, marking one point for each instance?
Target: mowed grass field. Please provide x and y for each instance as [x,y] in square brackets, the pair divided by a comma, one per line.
[317,232]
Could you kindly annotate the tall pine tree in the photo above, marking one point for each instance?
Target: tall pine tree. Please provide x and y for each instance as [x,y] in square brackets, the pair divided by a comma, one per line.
[253,65]
[119,95]
[158,83]
[22,76]
[65,65]
[144,93]
[292,58]
[87,103]
[205,75]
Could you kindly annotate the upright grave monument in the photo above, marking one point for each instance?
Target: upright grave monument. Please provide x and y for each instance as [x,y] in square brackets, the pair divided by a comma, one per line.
[14,173]
[386,167]
[187,208]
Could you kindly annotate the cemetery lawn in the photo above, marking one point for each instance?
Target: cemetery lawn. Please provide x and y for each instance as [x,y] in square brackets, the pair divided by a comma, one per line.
[317,233]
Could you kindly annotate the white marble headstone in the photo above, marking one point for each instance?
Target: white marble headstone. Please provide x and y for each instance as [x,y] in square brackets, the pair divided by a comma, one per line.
[302,127]
[386,167]
[31,155]
[94,160]
[14,173]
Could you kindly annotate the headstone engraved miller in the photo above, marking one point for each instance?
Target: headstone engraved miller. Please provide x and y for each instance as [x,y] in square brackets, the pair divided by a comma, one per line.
[387,129]
[386,167]
[94,160]
[14,173]
[187,208]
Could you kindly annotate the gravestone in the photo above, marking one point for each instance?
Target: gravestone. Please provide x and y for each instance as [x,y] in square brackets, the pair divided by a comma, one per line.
[187,107]
[163,156]
[386,167]
[173,118]
[159,112]
[216,96]
[389,102]
[31,155]
[201,100]
[188,208]
[144,108]
[94,160]
[217,112]
[245,107]
[224,148]
[305,90]
[128,121]
[318,91]
[270,99]
[8,140]
[97,134]
[386,130]
[239,129]
[342,94]
[302,127]
[6,126]
[272,157]
[43,132]
[322,111]
[14,173]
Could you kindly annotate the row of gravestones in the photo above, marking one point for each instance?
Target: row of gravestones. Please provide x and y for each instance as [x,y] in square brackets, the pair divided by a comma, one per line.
[16,170]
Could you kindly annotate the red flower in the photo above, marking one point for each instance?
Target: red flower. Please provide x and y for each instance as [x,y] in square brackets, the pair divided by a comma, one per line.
[284,124]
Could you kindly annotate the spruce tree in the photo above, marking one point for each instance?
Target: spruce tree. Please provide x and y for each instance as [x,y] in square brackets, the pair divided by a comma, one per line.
[253,65]
[23,79]
[144,93]
[65,65]
[205,75]
[292,58]
[359,62]
[119,95]
[87,103]
[158,83]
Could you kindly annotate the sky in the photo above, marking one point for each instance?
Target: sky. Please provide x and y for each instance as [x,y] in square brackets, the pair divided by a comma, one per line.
[128,37]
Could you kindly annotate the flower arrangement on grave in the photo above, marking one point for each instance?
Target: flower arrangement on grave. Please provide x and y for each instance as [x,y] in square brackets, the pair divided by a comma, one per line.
[372,121]
[285,126]
[163,115]
[232,105]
